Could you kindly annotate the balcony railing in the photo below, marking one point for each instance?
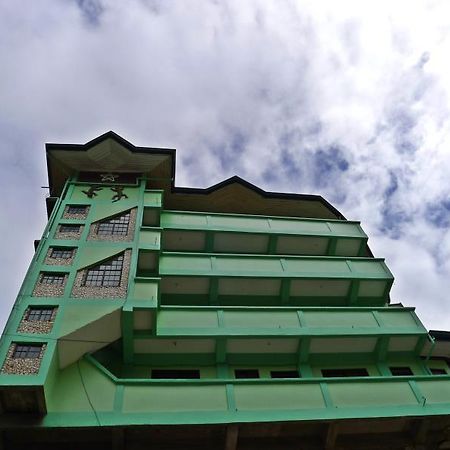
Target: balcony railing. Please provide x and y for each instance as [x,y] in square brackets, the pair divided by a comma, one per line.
[232,233]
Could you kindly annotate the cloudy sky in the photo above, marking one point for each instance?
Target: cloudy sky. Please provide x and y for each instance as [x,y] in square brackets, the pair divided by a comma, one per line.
[348,99]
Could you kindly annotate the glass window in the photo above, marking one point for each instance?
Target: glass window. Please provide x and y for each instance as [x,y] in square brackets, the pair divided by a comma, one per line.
[116,226]
[27,351]
[400,371]
[246,373]
[69,228]
[76,209]
[438,371]
[344,373]
[106,274]
[52,278]
[61,252]
[284,374]
[40,314]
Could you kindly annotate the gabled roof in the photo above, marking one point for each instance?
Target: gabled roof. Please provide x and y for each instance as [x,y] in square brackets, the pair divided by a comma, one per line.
[111,152]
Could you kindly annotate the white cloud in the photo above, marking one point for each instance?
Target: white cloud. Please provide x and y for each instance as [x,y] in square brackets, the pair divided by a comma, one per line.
[285,82]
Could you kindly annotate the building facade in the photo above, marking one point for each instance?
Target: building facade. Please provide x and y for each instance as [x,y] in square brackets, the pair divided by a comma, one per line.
[154,316]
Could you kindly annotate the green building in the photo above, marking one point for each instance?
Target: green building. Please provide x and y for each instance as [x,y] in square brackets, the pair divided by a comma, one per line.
[154,316]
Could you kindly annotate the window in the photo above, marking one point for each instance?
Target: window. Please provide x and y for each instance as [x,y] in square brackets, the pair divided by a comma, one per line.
[284,374]
[69,228]
[246,373]
[173,374]
[27,351]
[116,226]
[52,278]
[40,314]
[436,371]
[331,373]
[61,252]
[76,209]
[107,274]
[400,371]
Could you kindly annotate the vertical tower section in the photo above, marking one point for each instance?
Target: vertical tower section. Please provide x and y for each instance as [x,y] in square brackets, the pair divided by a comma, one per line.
[150,304]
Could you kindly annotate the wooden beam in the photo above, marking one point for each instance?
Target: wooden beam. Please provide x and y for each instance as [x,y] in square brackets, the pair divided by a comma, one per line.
[231,437]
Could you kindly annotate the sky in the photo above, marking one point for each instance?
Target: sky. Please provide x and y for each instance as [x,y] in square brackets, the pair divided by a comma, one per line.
[348,100]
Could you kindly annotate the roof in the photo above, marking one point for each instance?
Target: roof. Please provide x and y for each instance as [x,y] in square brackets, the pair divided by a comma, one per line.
[111,152]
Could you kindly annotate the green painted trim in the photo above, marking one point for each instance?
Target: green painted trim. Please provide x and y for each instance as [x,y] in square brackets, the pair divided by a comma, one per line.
[272,244]
[303,350]
[285,291]
[209,242]
[118,398]
[221,351]
[381,349]
[235,381]
[421,399]
[127,335]
[331,250]
[326,395]
[231,403]
[256,216]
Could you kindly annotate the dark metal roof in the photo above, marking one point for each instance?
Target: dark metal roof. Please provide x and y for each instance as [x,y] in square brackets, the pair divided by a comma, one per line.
[52,147]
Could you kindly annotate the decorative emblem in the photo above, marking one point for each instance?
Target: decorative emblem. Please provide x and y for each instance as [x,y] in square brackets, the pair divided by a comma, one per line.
[118,193]
[92,192]
[108,177]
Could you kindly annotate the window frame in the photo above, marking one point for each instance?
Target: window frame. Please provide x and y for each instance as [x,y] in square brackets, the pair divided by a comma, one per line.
[63,251]
[245,374]
[118,225]
[27,351]
[70,228]
[44,311]
[95,275]
[401,371]
[48,278]
[80,210]
[345,372]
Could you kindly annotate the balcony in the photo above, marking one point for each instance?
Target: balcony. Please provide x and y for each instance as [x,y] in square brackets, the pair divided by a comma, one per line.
[137,401]
[232,233]
[202,279]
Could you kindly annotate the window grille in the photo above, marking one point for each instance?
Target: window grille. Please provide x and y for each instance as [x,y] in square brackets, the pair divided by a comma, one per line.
[117,226]
[61,253]
[52,278]
[40,314]
[69,228]
[76,209]
[107,274]
[27,351]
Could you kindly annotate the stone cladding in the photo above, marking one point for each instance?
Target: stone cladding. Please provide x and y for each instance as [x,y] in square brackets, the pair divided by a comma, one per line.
[22,366]
[36,326]
[81,291]
[59,261]
[93,236]
[49,290]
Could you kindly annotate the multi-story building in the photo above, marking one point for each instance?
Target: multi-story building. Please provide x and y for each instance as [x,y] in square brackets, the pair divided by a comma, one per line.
[154,316]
